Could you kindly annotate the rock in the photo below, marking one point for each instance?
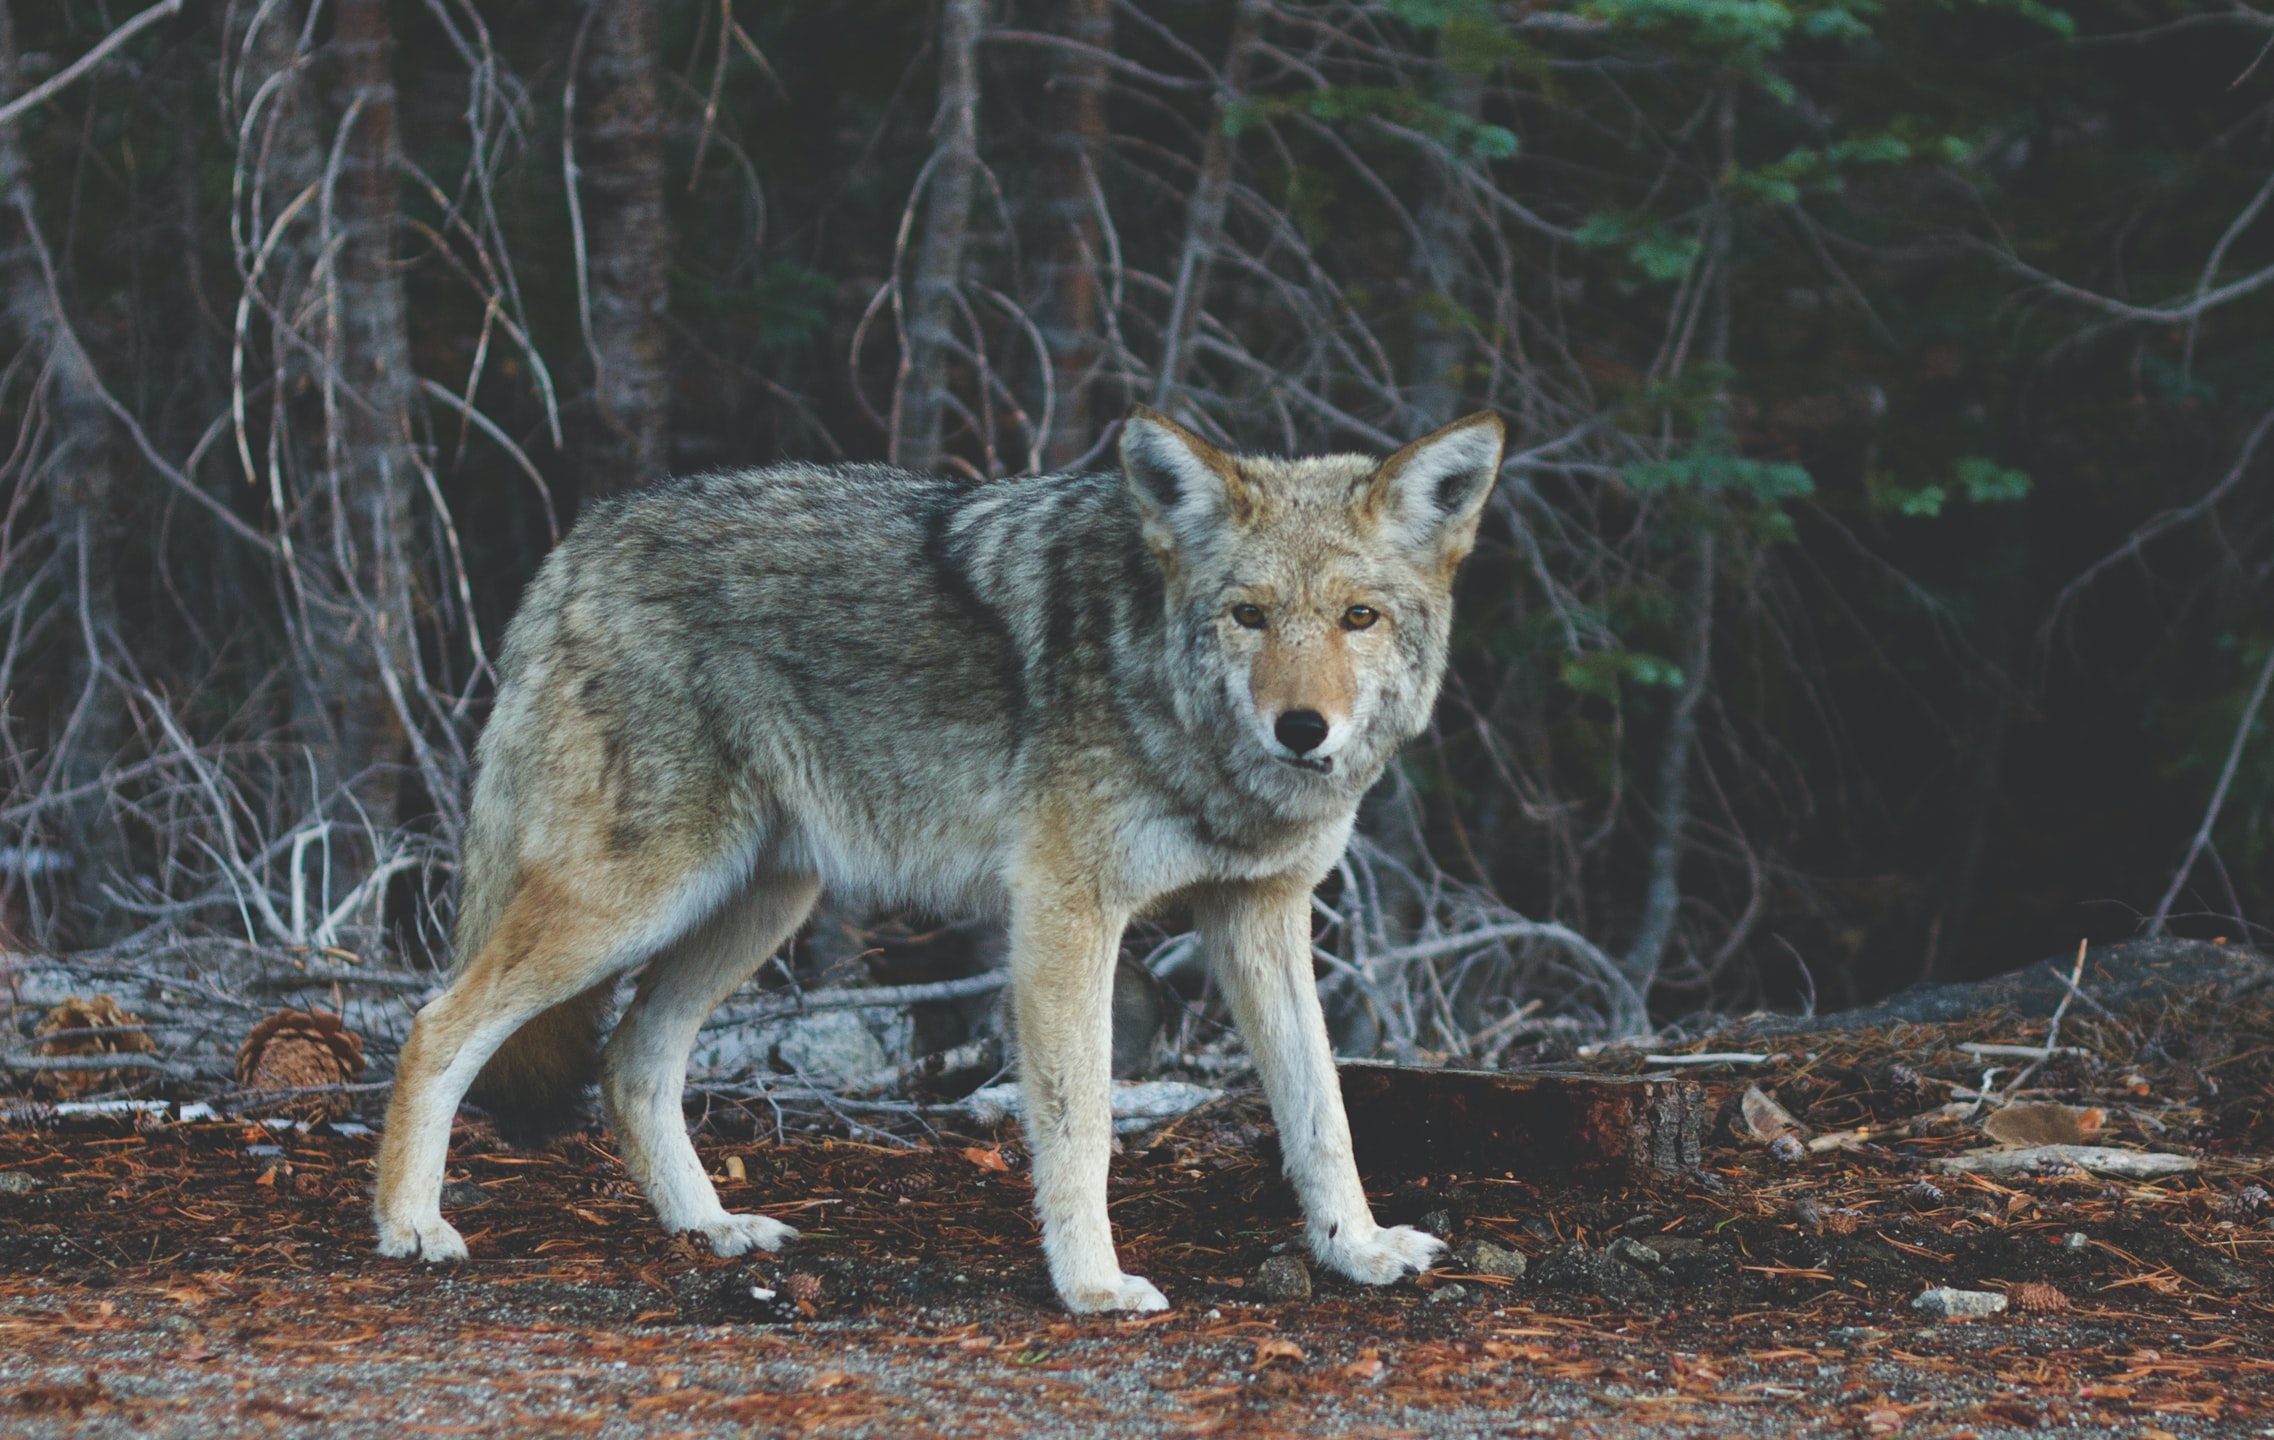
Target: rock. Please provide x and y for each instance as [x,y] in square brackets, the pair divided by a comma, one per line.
[1281,1278]
[1448,1292]
[463,1195]
[829,1047]
[2075,1242]
[16,1182]
[1629,1251]
[1945,1303]
[1436,1222]
[1482,1257]
[1576,1270]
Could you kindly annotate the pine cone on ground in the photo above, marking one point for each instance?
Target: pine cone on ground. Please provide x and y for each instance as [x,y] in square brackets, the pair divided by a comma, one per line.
[62,1026]
[2036,1297]
[2242,1206]
[293,1049]
[1907,1090]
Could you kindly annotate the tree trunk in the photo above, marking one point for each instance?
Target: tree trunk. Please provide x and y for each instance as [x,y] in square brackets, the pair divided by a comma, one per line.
[1074,127]
[919,401]
[1204,218]
[620,164]
[356,640]
[1662,892]
[1439,259]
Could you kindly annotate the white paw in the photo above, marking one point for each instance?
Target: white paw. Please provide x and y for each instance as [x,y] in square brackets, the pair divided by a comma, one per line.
[1122,1292]
[432,1239]
[1379,1254]
[741,1234]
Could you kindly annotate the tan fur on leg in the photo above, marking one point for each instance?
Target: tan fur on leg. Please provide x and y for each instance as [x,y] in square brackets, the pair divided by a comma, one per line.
[1258,937]
[1063,944]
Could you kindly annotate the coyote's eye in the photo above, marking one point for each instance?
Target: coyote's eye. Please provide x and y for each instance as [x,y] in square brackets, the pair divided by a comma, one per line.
[1358,617]
[1249,616]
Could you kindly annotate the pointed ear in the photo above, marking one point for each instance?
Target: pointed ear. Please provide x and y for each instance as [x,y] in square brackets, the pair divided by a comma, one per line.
[1431,492]
[1185,487]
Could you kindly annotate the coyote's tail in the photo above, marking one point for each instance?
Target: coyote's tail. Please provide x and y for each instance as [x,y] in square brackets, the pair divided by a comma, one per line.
[533,1087]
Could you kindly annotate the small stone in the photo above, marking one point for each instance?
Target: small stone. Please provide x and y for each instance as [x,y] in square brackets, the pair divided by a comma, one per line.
[1482,1257]
[1788,1149]
[1574,1269]
[17,1182]
[1628,1251]
[1945,1303]
[1437,1222]
[463,1195]
[2075,1242]
[1450,1291]
[1282,1278]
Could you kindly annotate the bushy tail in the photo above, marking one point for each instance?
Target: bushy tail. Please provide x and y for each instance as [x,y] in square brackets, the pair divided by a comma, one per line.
[533,1087]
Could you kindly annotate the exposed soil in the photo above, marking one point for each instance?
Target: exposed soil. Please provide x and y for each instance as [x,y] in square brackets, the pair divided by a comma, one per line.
[215,1279]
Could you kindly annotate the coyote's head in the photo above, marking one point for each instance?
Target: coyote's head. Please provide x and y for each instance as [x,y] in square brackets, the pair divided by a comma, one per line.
[1313,596]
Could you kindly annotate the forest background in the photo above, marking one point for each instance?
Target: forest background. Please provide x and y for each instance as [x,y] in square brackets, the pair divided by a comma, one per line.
[1876,592]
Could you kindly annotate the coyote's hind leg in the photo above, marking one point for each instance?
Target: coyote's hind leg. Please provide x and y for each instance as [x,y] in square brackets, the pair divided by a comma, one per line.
[1258,939]
[554,941]
[643,1068]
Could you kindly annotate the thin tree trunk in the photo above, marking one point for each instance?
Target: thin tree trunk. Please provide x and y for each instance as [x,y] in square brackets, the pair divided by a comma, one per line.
[620,163]
[1074,128]
[1204,217]
[1440,257]
[82,492]
[1662,890]
[356,635]
[919,402]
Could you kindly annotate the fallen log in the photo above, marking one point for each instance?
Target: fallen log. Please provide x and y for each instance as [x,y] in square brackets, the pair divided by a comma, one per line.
[1533,1124]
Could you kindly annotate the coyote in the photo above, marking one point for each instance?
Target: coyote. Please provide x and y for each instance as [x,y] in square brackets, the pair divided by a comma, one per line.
[1063,700]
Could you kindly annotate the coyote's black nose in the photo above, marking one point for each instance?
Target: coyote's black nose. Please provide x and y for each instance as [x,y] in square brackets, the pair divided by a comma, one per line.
[1301,731]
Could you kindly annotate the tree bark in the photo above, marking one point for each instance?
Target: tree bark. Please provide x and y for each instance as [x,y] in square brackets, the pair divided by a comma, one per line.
[620,164]
[1074,107]
[82,493]
[1204,218]
[1554,1125]
[919,401]
[356,639]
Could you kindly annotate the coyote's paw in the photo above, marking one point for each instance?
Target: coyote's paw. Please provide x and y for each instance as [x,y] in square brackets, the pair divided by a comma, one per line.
[432,1239]
[1381,1255]
[741,1234]
[1122,1292]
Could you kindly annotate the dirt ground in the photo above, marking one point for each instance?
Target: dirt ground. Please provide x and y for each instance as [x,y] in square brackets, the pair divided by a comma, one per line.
[215,1278]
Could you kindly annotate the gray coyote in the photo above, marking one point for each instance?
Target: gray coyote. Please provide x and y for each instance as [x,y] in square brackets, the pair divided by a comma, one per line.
[1062,700]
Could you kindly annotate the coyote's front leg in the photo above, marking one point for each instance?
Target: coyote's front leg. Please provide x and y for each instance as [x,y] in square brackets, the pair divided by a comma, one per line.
[1258,937]
[1063,943]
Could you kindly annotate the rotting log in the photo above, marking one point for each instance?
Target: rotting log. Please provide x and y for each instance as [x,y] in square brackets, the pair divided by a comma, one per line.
[1538,1124]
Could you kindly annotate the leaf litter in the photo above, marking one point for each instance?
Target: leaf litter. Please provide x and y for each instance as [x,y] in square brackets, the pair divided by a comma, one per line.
[214,1276]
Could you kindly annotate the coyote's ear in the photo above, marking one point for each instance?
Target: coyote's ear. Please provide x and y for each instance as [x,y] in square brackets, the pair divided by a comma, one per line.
[1431,492]
[1186,488]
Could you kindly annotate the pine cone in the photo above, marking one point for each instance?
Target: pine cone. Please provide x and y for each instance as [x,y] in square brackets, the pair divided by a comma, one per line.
[2242,1206]
[1906,1090]
[2036,1297]
[80,1013]
[294,1048]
